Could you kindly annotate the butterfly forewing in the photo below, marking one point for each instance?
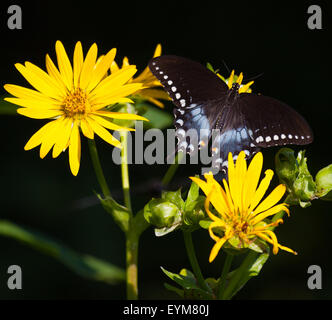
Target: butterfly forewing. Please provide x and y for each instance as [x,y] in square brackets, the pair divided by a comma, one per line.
[194,90]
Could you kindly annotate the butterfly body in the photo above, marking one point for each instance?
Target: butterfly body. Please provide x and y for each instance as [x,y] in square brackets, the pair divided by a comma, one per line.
[244,121]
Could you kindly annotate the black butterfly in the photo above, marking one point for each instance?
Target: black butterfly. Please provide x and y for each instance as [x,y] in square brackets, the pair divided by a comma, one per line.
[246,121]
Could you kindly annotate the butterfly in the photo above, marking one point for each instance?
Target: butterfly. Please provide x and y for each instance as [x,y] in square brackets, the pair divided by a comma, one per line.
[245,121]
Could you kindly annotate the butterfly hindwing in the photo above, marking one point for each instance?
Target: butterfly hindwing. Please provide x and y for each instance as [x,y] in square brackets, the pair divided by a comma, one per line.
[272,122]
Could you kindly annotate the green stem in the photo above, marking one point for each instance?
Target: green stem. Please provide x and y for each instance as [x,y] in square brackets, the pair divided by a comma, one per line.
[172,169]
[124,169]
[132,240]
[132,235]
[224,273]
[98,169]
[249,260]
[193,260]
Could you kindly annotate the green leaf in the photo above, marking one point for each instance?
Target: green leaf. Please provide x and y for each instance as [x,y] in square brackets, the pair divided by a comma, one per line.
[188,282]
[84,265]
[250,267]
[185,278]
[158,118]
[7,108]
[174,289]
[205,223]
[192,197]
[119,212]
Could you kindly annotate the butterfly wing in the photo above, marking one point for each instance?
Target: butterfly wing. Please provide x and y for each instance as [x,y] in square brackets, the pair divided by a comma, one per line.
[254,121]
[272,122]
[196,92]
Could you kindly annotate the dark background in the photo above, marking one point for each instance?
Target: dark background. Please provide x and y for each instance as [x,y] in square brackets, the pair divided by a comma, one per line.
[254,37]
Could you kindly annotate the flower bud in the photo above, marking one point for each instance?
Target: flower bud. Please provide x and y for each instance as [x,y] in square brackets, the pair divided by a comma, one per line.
[286,166]
[161,213]
[324,183]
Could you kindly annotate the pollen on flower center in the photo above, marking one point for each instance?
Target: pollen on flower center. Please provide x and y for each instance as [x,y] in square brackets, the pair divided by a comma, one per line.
[240,226]
[76,103]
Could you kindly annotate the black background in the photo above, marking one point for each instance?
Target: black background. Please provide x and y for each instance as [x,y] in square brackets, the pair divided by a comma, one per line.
[254,37]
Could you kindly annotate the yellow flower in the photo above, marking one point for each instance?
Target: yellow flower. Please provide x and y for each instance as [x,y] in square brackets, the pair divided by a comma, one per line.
[150,90]
[237,79]
[74,97]
[240,214]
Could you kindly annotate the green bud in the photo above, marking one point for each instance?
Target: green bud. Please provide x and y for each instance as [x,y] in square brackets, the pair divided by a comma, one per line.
[174,197]
[195,212]
[304,187]
[161,213]
[324,183]
[286,166]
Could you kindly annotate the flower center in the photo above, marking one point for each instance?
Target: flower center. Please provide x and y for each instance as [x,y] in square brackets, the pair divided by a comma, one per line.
[240,227]
[76,103]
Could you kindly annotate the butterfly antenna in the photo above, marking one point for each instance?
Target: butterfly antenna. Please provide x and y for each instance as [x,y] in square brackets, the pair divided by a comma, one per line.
[255,77]
[226,66]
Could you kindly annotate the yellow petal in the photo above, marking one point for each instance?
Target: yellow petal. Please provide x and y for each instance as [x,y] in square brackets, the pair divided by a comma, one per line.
[39,113]
[270,238]
[103,133]
[271,199]
[215,224]
[63,137]
[88,66]
[34,104]
[217,198]
[50,137]
[109,125]
[157,51]
[232,181]
[37,138]
[40,80]
[26,93]
[86,129]
[241,170]
[125,62]
[114,67]
[75,150]
[122,91]
[230,80]
[269,212]
[252,179]
[55,74]
[77,63]
[263,186]
[114,81]
[64,64]
[216,248]
[101,69]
